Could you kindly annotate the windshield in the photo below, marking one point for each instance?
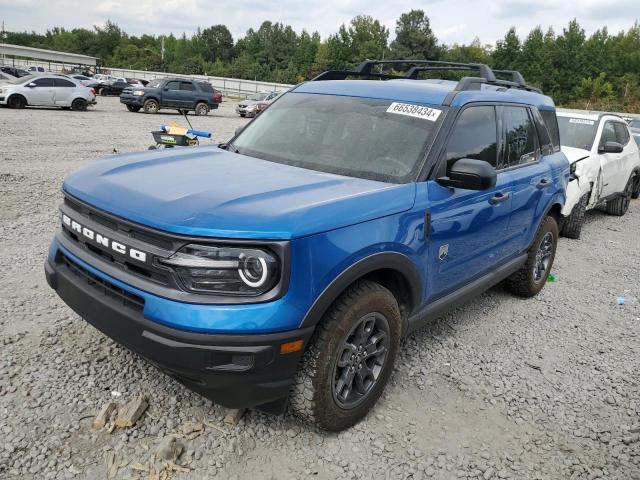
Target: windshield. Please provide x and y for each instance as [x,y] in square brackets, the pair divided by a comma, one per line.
[577,132]
[24,80]
[258,96]
[358,137]
[635,123]
[154,84]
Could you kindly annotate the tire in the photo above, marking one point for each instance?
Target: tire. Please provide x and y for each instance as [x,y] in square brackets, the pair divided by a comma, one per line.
[243,115]
[17,101]
[202,109]
[573,224]
[365,314]
[151,106]
[104,92]
[133,108]
[530,279]
[619,205]
[636,186]
[79,104]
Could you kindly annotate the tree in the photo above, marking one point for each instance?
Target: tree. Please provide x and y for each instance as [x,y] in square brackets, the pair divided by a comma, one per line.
[506,56]
[414,37]
[216,43]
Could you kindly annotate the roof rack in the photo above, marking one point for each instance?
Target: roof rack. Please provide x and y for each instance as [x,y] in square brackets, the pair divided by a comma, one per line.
[486,74]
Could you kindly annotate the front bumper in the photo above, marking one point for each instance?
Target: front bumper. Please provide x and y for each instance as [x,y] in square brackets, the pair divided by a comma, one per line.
[236,371]
[134,100]
[575,190]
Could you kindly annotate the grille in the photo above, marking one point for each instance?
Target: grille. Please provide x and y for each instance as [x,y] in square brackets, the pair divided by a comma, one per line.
[114,227]
[106,288]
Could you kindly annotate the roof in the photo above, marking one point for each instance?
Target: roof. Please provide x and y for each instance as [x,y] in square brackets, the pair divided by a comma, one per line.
[48,55]
[587,115]
[430,92]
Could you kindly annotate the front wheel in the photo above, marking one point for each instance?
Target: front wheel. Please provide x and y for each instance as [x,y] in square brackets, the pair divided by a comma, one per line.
[133,108]
[636,186]
[17,101]
[530,279]
[202,108]
[151,106]
[573,224]
[619,205]
[350,358]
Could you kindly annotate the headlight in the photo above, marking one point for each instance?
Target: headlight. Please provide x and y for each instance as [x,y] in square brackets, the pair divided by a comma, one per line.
[138,93]
[225,270]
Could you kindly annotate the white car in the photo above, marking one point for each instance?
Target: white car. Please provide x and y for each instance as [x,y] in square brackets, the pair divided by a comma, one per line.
[46,91]
[605,166]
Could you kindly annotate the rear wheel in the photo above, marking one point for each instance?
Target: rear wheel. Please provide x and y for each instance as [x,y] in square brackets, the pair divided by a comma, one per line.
[619,205]
[573,224]
[530,279]
[151,106]
[17,101]
[133,108]
[79,104]
[104,92]
[350,358]
[202,108]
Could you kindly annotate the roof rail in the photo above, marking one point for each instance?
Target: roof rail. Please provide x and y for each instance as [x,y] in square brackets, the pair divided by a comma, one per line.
[486,74]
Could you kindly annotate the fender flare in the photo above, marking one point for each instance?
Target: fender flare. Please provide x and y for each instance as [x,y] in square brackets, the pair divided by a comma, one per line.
[377,261]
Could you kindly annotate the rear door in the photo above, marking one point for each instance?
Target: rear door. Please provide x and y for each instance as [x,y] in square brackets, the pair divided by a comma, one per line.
[188,95]
[63,92]
[529,177]
[629,154]
[41,94]
[468,227]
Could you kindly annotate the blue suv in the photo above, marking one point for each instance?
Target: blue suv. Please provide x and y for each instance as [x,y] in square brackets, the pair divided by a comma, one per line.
[289,263]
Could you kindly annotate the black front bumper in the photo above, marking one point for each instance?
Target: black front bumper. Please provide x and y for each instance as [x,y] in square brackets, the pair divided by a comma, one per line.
[236,371]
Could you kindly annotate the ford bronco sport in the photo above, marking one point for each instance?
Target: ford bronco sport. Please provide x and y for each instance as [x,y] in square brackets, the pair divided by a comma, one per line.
[290,262]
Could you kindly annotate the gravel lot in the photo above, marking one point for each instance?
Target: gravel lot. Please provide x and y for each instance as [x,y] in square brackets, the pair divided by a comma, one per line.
[543,388]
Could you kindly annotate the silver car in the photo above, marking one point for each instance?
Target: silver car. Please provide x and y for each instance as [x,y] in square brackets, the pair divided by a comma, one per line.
[249,107]
[46,91]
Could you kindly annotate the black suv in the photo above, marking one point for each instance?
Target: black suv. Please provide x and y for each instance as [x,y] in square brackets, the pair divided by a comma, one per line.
[177,93]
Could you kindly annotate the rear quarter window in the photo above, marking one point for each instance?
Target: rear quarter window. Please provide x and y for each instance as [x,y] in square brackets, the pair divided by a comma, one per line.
[205,87]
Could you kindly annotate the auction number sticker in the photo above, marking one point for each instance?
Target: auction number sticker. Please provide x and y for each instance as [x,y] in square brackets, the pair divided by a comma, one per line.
[417,111]
[582,121]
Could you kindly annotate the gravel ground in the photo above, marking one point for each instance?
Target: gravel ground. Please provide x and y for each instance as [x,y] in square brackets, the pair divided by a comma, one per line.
[502,388]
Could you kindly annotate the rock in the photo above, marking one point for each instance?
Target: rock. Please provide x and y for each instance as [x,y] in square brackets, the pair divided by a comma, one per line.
[233,416]
[130,412]
[169,449]
[104,415]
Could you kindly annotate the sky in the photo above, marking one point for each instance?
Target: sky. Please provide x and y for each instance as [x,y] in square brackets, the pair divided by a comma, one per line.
[453,21]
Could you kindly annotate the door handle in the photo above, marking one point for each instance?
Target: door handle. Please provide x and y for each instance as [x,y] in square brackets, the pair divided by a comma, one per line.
[544,183]
[499,198]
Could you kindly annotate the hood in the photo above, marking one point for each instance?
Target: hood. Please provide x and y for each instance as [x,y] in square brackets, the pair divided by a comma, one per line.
[211,192]
[248,102]
[575,154]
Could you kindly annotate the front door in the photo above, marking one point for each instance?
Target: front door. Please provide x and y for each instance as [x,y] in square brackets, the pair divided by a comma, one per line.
[468,227]
[42,93]
[171,96]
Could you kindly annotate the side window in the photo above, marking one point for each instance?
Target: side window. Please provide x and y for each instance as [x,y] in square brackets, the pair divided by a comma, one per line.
[520,137]
[61,82]
[551,121]
[622,134]
[173,85]
[43,82]
[474,136]
[608,134]
[186,86]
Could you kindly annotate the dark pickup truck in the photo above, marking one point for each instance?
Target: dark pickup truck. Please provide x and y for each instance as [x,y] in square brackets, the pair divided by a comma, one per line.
[176,93]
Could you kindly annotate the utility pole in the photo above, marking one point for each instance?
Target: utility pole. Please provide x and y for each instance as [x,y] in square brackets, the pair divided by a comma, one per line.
[162,52]
[2,35]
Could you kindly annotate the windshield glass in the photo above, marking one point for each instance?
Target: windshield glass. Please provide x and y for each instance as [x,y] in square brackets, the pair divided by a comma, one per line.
[577,132]
[357,137]
[154,84]
[24,80]
[635,123]
[258,96]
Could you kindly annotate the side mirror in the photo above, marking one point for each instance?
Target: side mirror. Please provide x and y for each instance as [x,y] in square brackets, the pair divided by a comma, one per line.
[470,174]
[611,147]
[31,85]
